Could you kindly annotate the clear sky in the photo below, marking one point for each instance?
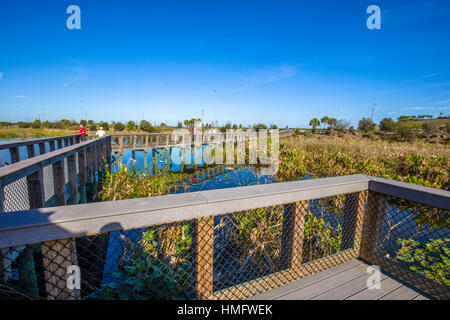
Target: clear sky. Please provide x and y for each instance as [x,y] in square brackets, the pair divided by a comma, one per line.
[243,61]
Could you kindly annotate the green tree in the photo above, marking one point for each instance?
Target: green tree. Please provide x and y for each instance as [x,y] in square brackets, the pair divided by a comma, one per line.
[342,125]
[65,123]
[147,126]
[259,126]
[104,125]
[403,118]
[332,122]
[36,124]
[118,126]
[314,123]
[324,121]
[387,125]
[83,122]
[366,125]
[407,129]
[131,125]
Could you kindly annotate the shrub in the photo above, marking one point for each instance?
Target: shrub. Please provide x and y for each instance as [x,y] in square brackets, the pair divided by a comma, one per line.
[118,126]
[366,125]
[431,259]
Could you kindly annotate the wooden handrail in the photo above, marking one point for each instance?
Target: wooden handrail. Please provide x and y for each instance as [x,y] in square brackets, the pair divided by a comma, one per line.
[8,145]
[23,168]
[54,142]
[68,221]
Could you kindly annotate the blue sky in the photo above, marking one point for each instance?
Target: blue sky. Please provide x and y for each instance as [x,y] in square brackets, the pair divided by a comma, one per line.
[243,61]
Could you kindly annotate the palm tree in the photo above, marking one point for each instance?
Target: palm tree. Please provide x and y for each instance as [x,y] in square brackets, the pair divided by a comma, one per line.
[314,123]
[332,122]
[324,120]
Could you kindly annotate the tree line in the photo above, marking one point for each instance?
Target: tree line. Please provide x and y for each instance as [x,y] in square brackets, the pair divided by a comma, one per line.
[406,127]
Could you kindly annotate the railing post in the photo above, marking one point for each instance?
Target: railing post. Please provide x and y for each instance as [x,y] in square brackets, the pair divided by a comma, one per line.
[293,237]
[108,150]
[82,170]
[60,143]
[30,151]
[89,163]
[15,157]
[204,257]
[94,158]
[52,145]
[72,166]
[354,207]
[59,183]
[57,257]
[376,207]
[36,188]
[121,145]
[42,148]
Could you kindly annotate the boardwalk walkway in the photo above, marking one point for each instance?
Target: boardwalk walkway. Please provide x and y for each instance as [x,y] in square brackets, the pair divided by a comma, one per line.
[347,281]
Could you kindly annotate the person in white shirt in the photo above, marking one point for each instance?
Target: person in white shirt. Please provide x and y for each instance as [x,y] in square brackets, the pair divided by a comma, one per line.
[100,133]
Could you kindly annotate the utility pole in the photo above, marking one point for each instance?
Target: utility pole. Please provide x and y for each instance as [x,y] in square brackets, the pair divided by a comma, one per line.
[373,109]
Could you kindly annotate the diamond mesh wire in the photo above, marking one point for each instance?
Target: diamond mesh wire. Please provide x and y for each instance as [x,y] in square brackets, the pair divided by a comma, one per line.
[240,254]
[16,196]
[49,188]
[411,241]
[223,257]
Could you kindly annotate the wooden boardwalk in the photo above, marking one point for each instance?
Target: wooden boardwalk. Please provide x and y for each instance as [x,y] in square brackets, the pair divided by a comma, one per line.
[343,282]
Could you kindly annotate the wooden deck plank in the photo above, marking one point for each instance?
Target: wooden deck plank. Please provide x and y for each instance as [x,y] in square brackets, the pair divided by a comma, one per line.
[325,284]
[401,293]
[347,289]
[277,292]
[387,285]
[345,281]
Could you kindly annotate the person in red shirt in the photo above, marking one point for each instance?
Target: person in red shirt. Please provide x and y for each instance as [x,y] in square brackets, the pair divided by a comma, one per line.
[82,133]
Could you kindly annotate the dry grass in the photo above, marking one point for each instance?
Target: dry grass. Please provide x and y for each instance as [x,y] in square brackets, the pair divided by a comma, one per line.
[418,162]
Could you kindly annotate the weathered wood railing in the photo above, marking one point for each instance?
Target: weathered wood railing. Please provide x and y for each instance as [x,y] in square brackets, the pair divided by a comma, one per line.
[54,177]
[58,228]
[33,145]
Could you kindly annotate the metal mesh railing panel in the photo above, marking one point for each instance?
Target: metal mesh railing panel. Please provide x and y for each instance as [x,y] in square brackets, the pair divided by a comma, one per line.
[145,263]
[229,256]
[260,249]
[49,187]
[16,196]
[411,241]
